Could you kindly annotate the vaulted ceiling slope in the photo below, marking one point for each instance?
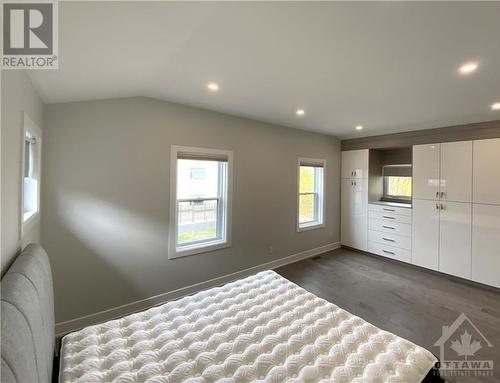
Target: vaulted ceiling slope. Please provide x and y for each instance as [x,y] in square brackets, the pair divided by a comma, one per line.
[387,66]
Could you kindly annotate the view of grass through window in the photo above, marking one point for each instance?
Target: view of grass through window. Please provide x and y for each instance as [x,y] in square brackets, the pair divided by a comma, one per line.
[197,221]
[307,196]
[198,199]
[398,187]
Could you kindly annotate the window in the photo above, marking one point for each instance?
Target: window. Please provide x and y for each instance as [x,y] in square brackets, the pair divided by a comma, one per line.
[310,214]
[397,182]
[200,200]
[31,155]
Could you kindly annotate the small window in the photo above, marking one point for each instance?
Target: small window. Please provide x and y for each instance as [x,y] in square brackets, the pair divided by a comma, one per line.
[397,182]
[201,204]
[310,194]
[31,155]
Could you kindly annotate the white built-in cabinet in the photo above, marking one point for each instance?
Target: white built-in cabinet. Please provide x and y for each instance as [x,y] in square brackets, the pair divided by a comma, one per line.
[442,207]
[454,223]
[354,199]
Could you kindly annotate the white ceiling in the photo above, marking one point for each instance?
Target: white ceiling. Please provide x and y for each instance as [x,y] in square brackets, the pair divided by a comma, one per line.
[390,66]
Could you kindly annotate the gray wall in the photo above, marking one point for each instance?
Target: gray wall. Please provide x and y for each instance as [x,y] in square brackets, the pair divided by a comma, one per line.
[18,96]
[106,198]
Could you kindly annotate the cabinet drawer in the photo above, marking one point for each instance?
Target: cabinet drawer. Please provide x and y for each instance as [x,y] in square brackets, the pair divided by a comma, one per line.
[390,239]
[389,209]
[389,252]
[388,216]
[389,227]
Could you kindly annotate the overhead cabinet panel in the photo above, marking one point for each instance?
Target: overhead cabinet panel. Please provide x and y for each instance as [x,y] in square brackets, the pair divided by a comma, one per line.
[361,164]
[486,173]
[355,164]
[347,164]
[426,171]
[456,171]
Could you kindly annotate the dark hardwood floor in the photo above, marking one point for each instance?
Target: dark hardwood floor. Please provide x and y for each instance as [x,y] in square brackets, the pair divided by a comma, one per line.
[407,301]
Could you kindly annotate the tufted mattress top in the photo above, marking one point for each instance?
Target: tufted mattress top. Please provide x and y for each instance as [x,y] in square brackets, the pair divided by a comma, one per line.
[263,328]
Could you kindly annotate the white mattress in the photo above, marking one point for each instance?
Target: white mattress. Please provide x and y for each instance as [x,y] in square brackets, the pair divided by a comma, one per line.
[263,328]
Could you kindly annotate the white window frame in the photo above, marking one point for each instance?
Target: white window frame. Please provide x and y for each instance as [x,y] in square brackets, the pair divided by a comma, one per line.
[224,204]
[29,127]
[319,191]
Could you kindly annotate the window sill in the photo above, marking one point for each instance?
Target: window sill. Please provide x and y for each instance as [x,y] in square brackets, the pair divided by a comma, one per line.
[30,218]
[198,249]
[309,226]
[396,200]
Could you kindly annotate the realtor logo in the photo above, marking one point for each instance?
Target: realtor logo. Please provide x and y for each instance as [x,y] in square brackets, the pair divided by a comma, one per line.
[462,348]
[29,35]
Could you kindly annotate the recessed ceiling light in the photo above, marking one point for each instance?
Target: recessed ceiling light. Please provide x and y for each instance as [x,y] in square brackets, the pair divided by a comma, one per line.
[359,127]
[468,68]
[213,86]
[300,112]
[495,106]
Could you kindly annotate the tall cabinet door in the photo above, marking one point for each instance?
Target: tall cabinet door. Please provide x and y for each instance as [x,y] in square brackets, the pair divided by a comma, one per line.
[456,171]
[346,195]
[425,234]
[486,244]
[487,171]
[354,213]
[426,171]
[455,239]
[359,218]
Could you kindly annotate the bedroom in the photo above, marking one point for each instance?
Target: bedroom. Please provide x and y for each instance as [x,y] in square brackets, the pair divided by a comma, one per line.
[167,149]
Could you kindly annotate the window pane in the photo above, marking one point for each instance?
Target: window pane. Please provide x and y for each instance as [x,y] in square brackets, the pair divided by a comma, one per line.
[306,183]
[197,179]
[398,186]
[307,208]
[197,221]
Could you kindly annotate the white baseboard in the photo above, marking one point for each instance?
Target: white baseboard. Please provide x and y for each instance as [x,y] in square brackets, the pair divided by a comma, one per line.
[65,327]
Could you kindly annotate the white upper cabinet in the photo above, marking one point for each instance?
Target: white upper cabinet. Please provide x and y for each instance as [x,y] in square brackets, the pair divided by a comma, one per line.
[425,234]
[347,164]
[355,164]
[455,238]
[456,171]
[487,171]
[426,171]
[361,164]
[486,244]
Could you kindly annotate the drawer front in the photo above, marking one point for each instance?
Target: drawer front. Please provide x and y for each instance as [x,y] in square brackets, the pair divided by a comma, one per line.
[389,216]
[389,227]
[389,209]
[390,239]
[389,252]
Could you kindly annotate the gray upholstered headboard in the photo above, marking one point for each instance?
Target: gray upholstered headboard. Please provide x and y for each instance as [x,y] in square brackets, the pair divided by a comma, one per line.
[28,319]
